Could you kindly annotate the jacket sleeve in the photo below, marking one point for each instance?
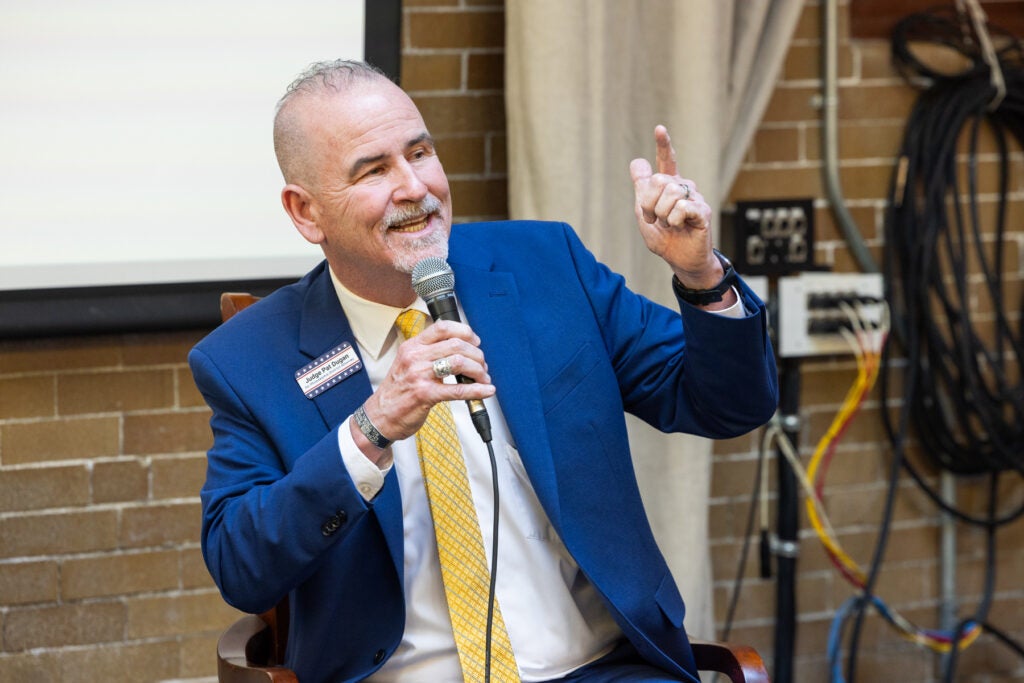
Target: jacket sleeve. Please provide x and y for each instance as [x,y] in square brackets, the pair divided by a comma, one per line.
[266,526]
[682,370]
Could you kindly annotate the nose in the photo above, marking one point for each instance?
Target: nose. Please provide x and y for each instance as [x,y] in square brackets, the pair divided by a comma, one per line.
[409,187]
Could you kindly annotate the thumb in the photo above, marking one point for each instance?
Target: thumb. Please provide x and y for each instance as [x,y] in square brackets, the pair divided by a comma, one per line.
[640,169]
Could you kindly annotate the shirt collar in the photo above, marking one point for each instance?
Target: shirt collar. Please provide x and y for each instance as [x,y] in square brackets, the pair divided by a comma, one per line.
[373,324]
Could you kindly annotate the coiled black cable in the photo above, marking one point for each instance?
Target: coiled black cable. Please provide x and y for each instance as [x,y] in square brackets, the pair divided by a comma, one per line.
[969,407]
[962,388]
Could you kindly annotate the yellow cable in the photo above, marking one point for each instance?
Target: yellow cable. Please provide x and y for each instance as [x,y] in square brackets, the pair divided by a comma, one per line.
[868,368]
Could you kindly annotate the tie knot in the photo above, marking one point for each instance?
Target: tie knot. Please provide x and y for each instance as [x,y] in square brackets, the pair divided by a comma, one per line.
[411,322]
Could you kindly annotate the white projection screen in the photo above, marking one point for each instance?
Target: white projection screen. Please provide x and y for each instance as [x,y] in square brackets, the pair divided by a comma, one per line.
[137,174]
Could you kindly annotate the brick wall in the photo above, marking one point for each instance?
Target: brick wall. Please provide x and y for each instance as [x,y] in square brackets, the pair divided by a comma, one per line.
[453,67]
[102,439]
[102,445]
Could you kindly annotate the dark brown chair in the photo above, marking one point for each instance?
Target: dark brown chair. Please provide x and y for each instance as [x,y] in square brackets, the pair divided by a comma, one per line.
[252,649]
[233,302]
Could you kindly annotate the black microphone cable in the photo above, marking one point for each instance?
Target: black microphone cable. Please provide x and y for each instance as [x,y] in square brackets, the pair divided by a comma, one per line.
[967,415]
[494,563]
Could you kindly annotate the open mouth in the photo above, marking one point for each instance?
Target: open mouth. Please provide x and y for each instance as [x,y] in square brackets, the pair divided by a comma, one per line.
[414,225]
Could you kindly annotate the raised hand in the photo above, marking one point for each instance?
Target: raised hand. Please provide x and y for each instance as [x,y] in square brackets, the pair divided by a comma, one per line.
[673,218]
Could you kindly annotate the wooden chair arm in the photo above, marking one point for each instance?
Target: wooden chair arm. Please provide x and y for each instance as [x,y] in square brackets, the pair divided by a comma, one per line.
[740,663]
[250,633]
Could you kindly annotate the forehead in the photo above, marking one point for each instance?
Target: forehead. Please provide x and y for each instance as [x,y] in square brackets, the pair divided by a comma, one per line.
[366,114]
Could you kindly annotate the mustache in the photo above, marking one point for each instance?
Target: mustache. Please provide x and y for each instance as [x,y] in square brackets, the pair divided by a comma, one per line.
[396,215]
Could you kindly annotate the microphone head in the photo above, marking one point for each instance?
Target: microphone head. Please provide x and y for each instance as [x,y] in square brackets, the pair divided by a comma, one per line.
[432,277]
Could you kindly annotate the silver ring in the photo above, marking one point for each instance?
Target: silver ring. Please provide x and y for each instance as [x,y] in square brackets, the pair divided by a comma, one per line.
[442,368]
[687,192]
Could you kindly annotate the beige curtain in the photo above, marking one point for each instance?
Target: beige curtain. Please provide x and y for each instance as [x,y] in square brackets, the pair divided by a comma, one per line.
[586,82]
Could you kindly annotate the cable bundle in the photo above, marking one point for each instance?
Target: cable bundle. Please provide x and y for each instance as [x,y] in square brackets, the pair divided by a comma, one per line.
[866,342]
[965,395]
[962,383]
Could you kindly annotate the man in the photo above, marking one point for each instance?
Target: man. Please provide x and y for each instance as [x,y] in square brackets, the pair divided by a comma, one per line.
[315,491]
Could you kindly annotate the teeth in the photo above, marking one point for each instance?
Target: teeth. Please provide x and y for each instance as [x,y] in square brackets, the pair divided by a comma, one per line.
[411,227]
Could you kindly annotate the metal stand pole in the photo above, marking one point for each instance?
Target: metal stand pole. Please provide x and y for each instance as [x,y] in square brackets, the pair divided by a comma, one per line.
[786,545]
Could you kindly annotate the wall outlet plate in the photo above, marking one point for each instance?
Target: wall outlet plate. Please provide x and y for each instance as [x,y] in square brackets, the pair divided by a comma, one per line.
[809,316]
[774,237]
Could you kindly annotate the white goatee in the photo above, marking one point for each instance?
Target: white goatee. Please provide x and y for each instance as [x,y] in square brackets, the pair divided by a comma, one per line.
[409,251]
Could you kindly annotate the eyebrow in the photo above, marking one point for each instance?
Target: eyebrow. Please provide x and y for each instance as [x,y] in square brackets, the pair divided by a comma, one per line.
[367,161]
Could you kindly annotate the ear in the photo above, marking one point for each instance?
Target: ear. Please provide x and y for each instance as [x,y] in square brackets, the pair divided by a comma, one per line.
[301,208]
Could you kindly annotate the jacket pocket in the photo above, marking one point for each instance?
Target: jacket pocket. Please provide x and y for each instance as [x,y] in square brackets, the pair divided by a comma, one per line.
[563,382]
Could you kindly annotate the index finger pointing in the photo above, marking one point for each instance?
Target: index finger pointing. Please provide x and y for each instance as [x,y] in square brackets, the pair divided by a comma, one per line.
[666,154]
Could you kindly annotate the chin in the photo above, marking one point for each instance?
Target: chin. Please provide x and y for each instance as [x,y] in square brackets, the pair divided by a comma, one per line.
[407,254]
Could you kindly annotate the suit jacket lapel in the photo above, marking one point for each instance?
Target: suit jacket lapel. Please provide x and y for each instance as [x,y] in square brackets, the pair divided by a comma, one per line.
[491,302]
[323,327]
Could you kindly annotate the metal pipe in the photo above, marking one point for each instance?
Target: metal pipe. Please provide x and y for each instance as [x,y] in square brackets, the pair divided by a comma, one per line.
[830,141]
[947,566]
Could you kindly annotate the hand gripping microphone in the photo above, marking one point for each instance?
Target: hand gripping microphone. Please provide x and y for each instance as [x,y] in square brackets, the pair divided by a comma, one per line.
[434,281]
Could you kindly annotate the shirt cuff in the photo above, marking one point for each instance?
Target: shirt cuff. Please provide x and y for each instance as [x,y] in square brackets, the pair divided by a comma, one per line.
[367,477]
[737,310]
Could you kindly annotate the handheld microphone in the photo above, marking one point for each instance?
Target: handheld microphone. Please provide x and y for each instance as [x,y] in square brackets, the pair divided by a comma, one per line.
[434,281]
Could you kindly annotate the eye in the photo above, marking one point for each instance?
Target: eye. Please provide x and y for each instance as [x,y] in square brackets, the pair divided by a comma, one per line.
[421,153]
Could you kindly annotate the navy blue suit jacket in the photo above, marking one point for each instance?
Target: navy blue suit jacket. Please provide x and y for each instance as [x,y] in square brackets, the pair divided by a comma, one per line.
[569,349]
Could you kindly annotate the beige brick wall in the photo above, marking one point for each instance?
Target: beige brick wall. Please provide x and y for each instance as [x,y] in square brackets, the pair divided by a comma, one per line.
[102,443]
[102,439]
[452,65]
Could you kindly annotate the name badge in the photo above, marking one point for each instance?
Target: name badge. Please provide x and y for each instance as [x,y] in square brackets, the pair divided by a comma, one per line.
[328,370]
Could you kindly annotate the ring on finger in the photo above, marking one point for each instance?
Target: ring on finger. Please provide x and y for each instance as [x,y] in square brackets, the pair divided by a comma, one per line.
[442,368]
[687,192]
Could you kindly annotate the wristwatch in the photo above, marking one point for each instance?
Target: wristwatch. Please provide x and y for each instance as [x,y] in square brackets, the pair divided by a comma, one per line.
[703,297]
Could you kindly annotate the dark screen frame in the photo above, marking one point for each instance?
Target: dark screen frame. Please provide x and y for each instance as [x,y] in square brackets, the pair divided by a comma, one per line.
[172,306]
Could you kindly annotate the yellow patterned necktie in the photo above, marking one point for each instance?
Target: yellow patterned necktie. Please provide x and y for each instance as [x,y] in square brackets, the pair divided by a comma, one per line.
[460,544]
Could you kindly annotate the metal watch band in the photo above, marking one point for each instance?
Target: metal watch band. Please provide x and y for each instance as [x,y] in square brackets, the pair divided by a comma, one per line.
[368,430]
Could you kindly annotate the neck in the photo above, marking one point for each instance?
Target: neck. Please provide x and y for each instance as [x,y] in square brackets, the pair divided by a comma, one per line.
[391,289]
[399,298]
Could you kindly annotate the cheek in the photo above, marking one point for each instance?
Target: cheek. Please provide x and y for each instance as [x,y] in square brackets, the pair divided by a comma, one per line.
[362,210]
[443,192]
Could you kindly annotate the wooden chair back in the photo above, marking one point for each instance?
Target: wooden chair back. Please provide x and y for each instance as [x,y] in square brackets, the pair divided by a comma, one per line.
[233,302]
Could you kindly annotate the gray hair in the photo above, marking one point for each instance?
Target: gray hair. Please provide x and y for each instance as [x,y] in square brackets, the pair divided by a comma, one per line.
[334,75]
[318,78]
